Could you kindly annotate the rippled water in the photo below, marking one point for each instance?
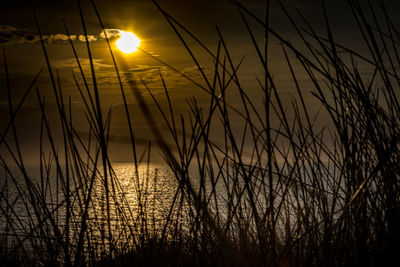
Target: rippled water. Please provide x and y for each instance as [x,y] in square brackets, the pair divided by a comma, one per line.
[137,204]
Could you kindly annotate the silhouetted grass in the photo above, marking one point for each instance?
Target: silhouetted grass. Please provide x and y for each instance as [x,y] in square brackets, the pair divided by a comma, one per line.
[304,195]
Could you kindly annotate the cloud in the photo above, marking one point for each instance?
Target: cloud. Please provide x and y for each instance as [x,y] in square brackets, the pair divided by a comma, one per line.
[193,71]
[58,37]
[145,68]
[90,38]
[106,75]
[7,28]
[85,64]
[111,33]
[11,35]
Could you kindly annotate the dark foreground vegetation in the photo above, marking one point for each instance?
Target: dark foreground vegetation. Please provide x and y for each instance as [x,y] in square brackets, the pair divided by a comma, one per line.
[308,195]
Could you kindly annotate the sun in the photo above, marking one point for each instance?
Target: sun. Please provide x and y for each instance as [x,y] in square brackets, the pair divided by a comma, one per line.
[128,43]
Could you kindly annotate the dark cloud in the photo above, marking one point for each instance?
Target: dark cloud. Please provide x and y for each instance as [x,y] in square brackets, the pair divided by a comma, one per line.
[10,35]
[144,68]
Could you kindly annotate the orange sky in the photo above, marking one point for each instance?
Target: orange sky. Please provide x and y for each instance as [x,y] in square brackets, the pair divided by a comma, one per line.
[25,55]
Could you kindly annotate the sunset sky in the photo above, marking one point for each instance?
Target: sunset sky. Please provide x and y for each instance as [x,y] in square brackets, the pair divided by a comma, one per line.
[20,39]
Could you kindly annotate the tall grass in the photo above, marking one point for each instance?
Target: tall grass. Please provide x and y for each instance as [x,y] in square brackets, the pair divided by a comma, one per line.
[283,191]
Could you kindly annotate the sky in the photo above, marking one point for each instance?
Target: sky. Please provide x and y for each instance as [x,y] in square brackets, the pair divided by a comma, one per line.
[20,40]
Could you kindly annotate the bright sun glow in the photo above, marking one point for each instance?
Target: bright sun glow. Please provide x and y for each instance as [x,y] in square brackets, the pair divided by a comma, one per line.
[128,43]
